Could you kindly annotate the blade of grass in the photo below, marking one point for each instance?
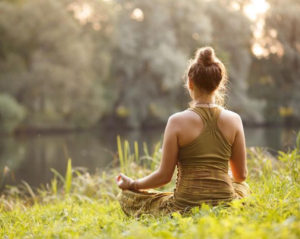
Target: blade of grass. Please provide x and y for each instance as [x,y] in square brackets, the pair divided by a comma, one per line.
[155,155]
[54,185]
[120,152]
[145,148]
[136,152]
[298,141]
[29,189]
[68,178]
[126,164]
[61,178]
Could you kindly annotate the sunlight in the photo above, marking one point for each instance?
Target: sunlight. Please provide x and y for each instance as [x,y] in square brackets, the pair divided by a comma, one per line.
[258,50]
[82,12]
[273,33]
[266,45]
[235,6]
[256,8]
[137,14]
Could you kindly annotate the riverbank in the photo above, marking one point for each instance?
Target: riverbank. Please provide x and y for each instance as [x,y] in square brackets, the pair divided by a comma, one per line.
[82,205]
[111,125]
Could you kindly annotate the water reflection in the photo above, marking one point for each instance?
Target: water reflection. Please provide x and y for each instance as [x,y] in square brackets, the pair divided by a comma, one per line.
[273,138]
[31,157]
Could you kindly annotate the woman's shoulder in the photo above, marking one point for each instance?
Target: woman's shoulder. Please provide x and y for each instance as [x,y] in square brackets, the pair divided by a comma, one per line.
[179,116]
[230,115]
[226,117]
[230,119]
[182,121]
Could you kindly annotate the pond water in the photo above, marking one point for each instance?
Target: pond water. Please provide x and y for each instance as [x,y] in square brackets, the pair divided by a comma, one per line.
[31,157]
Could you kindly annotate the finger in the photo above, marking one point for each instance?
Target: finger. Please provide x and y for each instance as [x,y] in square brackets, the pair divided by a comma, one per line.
[121,186]
[124,177]
[120,182]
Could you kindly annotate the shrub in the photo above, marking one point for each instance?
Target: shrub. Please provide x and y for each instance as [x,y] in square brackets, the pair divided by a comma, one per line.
[11,113]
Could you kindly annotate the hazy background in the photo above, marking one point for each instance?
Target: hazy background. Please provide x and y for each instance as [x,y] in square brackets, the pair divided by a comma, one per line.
[103,66]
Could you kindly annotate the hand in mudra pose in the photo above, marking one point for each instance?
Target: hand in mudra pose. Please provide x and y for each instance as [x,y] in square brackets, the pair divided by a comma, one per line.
[125,182]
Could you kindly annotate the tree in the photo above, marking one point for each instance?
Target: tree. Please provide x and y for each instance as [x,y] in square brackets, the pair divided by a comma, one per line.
[150,57]
[46,63]
[276,75]
[11,113]
[232,37]
[158,38]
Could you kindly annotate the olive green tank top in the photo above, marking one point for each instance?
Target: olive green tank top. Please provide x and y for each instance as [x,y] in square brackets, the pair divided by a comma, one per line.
[202,167]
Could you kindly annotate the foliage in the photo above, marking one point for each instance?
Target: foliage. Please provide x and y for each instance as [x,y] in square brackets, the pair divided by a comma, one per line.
[47,64]
[276,77]
[234,46]
[149,70]
[74,63]
[90,209]
[151,58]
[11,113]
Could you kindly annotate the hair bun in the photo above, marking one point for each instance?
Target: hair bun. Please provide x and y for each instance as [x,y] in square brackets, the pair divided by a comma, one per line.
[206,56]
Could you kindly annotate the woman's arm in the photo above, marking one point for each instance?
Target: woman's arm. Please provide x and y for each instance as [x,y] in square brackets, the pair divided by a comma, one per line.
[164,173]
[238,161]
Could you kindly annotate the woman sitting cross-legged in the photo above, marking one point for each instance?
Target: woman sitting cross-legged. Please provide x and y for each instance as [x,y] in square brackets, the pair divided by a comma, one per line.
[202,141]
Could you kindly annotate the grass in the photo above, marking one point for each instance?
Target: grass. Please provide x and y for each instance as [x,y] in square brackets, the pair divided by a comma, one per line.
[81,205]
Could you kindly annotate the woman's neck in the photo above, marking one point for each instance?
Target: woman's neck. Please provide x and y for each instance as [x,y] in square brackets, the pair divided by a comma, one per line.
[204,99]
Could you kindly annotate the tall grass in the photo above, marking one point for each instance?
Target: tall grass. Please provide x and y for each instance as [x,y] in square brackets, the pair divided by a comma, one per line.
[68,178]
[136,152]
[84,205]
[129,161]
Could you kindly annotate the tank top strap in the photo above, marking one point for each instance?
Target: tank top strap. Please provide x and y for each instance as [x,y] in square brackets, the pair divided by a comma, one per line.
[202,113]
[208,115]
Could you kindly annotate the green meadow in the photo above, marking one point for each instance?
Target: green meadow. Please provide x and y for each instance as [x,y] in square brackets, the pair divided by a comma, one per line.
[81,205]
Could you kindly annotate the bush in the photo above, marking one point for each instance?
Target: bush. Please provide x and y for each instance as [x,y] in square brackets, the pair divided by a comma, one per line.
[11,113]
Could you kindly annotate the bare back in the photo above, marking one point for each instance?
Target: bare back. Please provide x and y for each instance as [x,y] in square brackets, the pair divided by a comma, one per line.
[229,124]
[192,126]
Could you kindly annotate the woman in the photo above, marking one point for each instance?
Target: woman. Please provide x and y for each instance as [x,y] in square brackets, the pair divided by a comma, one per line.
[202,141]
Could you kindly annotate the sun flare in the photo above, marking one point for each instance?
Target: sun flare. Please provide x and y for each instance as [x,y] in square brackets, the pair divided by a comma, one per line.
[82,12]
[263,45]
[256,8]
[137,14]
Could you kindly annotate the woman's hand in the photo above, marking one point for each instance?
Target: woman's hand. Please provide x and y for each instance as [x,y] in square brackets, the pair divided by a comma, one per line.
[124,182]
